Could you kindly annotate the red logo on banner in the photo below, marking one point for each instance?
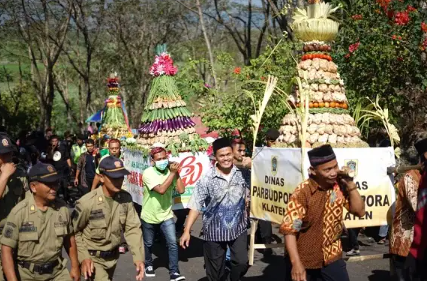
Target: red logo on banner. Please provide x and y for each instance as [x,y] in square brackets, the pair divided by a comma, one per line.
[191,170]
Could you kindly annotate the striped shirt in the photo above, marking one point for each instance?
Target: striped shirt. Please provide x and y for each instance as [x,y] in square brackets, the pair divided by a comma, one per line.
[225,217]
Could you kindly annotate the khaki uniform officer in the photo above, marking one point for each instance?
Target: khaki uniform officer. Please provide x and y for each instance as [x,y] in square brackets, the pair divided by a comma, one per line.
[37,229]
[13,183]
[99,218]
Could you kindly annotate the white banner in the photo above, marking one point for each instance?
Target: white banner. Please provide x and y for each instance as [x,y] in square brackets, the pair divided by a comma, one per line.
[276,172]
[194,166]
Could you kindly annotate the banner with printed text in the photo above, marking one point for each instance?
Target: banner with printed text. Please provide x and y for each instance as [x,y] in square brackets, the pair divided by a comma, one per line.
[194,166]
[276,172]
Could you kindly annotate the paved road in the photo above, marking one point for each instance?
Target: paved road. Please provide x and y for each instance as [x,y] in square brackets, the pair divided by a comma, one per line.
[192,267]
[191,264]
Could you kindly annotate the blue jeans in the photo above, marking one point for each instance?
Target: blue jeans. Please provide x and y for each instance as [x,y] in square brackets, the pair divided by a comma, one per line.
[168,229]
[383,231]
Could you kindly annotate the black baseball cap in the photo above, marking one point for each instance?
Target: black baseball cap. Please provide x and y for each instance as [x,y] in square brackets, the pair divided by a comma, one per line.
[45,173]
[6,144]
[113,167]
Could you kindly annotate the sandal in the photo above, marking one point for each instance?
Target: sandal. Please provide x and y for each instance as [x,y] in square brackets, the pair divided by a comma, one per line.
[381,242]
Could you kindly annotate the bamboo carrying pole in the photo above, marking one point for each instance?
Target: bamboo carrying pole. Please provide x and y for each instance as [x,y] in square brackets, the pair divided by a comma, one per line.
[269,89]
[403,169]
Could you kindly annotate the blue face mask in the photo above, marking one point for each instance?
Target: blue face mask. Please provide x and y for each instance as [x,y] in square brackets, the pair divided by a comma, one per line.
[162,164]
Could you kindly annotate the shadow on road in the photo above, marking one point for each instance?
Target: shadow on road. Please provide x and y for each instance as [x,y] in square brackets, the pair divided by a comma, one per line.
[160,250]
[275,270]
[379,275]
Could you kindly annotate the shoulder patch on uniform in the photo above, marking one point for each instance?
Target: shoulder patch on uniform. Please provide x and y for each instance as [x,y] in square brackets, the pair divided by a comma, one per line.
[8,232]
[11,224]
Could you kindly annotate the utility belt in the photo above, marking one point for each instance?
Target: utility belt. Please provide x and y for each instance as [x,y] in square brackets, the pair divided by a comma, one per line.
[104,254]
[44,268]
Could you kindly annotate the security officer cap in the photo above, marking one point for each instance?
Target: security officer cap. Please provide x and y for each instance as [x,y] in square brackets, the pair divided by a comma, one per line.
[113,167]
[43,173]
[6,144]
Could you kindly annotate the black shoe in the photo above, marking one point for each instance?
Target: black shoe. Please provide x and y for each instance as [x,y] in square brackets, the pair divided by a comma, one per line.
[176,277]
[149,272]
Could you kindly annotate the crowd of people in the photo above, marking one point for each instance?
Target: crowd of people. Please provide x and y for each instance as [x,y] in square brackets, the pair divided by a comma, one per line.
[42,176]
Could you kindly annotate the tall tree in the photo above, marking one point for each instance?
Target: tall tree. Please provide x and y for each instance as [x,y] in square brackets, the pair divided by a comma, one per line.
[80,45]
[240,20]
[43,26]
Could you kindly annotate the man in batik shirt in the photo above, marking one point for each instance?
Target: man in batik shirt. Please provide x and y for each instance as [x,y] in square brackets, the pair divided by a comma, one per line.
[313,220]
[403,223]
[224,190]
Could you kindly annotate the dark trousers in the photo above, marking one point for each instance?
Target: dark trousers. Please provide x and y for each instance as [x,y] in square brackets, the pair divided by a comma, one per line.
[63,184]
[336,271]
[416,270]
[214,253]
[352,237]
[181,215]
[398,270]
[265,231]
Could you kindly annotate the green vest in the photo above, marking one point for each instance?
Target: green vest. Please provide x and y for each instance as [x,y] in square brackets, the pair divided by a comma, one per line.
[77,151]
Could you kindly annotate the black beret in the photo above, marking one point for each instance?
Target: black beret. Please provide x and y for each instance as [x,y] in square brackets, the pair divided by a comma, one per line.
[113,167]
[6,144]
[43,173]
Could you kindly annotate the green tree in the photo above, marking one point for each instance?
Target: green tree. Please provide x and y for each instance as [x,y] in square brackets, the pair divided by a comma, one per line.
[379,51]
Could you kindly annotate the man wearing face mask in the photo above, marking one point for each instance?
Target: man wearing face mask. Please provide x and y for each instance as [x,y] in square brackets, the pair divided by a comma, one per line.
[160,181]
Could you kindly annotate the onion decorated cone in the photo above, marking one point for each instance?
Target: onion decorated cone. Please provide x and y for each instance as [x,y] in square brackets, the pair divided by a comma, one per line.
[114,118]
[166,119]
[329,120]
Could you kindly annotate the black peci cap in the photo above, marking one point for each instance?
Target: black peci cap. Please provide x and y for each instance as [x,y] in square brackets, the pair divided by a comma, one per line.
[113,167]
[272,135]
[221,143]
[6,144]
[321,155]
[43,173]
[421,146]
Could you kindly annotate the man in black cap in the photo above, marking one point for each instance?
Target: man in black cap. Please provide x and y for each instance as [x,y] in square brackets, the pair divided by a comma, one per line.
[225,191]
[13,182]
[98,221]
[313,220]
[37,229]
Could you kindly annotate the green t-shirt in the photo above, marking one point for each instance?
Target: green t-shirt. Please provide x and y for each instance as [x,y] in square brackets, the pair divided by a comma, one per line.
[156,208]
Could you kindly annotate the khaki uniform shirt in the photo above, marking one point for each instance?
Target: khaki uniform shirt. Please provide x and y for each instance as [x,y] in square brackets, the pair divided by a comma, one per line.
[37,236]
[98,227]
[13,193]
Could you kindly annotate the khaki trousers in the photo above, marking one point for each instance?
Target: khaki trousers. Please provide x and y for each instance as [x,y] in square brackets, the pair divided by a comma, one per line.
[104,268]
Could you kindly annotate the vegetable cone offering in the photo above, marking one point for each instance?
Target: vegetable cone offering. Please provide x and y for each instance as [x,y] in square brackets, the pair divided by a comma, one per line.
[166,119]
[114,119]
[329,120]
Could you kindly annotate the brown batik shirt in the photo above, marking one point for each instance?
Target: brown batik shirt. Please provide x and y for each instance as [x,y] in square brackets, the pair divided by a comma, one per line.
[315,216]
[402,232]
